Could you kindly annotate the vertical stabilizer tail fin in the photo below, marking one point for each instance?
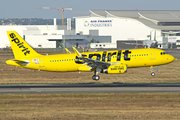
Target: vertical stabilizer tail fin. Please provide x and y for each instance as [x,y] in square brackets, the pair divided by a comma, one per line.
[20,47]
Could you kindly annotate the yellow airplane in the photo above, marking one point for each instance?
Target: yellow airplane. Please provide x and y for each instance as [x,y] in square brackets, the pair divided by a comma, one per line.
[110,62]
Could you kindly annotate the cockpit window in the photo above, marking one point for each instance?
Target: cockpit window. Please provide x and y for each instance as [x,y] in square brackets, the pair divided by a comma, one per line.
[163,53]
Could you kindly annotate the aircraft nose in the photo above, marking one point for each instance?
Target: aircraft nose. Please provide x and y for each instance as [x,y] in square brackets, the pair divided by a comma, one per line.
[170,58]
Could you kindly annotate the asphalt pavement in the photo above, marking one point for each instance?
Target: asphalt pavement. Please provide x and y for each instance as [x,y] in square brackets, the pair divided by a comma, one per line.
[90,88]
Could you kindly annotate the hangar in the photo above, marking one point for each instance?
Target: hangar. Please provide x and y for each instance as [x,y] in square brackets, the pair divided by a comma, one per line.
[163,26]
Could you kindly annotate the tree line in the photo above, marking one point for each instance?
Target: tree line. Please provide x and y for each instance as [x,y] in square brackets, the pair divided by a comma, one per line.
[34,21]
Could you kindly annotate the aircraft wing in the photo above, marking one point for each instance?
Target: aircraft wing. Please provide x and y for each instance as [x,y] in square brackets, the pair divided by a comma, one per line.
[93,64]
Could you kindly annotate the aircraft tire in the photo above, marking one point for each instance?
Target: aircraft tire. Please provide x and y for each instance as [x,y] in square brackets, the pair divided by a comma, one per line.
[95,77]
[152,74]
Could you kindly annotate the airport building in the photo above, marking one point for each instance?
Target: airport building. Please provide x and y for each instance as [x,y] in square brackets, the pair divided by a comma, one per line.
[163,26]
[108,27]
[50,36]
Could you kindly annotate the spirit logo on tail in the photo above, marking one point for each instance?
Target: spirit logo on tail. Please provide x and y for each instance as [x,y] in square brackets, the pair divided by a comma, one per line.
[19,44]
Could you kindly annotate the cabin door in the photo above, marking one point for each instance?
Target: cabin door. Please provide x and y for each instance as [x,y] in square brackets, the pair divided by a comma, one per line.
[152,54]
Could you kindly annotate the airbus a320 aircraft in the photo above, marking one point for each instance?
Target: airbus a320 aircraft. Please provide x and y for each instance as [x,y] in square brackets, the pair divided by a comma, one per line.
[110,62]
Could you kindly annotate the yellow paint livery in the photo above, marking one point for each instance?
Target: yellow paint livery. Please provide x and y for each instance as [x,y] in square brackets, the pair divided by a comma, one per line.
[111,62]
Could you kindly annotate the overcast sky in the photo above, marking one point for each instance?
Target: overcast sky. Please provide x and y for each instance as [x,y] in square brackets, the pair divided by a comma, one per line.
[27,8]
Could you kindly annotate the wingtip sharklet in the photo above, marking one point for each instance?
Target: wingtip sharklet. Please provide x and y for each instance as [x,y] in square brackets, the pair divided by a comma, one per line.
[77,52]
[67,51]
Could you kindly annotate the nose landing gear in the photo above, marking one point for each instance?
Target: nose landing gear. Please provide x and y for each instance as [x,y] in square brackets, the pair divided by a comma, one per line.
[152,71]
[152,74]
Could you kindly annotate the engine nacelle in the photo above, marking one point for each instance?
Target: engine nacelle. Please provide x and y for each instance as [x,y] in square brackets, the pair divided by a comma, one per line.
[116,69]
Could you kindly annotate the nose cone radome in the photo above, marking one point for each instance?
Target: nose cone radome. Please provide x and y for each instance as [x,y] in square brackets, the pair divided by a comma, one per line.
[170,58]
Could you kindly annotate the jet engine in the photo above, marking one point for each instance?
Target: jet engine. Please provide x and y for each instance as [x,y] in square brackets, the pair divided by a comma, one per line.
[115,69]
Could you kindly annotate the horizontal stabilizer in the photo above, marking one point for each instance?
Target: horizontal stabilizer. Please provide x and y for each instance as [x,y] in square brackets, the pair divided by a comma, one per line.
[17,62]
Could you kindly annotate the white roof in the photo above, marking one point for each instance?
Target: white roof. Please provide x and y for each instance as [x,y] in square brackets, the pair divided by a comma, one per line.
[151,18]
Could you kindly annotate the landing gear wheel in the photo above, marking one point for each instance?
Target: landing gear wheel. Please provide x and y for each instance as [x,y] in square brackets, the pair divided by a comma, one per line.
[95,77]
[153,74]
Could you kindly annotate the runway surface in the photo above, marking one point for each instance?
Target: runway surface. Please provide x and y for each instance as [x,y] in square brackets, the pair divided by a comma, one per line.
[89,88]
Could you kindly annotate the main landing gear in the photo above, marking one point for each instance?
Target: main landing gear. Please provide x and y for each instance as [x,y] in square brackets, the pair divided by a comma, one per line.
[152,71]
[95,76]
